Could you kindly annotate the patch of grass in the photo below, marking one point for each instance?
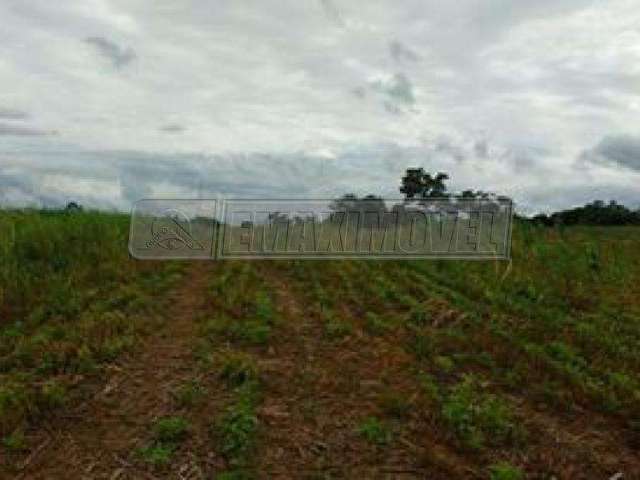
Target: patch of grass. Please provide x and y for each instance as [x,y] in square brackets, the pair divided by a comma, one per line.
[375,431]
[430,387]
[157,455]
[237,429]
[236,474]
[419,316]
[190,393]
[505,471]
[167,433]
[53,394]
[237,368]
[478,418]
[444,363]
[376,325]
[15,442]
[421,344]
[252,331]
[76,302]
[336,329]
[170,430]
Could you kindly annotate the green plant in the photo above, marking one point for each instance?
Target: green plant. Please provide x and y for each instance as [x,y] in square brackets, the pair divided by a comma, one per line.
[375,431]
[429,386]
[376,325]
[505,471]
[53,394]
[159,454]
[15,442]
[237,368]
[235,475]
[419,316]
[170,430]
[237,428]
[337,329]
[189,393]
[476,416]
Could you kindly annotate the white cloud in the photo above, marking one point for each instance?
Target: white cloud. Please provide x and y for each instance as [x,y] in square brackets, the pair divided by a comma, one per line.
[536,83]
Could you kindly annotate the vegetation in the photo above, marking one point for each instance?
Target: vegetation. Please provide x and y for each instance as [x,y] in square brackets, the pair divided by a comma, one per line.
[70,302]
[500,370]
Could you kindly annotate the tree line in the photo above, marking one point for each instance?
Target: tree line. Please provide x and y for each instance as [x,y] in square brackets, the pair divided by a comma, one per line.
[419,185]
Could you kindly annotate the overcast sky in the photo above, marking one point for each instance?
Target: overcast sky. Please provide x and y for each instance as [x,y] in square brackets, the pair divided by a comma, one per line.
[108,101]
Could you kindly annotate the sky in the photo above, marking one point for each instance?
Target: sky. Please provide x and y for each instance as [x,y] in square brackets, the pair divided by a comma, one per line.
[105,102]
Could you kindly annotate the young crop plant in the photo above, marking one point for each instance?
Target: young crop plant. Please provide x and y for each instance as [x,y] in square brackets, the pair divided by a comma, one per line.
[190,393]
[238,368]
[478,418]
[505,471]
[375,431]
[167,433]
[376,325]
[237,429]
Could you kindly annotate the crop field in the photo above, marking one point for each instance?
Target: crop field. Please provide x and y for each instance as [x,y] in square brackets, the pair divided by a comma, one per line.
[113,368]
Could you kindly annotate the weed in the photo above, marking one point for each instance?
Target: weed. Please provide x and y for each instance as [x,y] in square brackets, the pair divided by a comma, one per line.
[429,386]
[157,455]
[337,329]
[505,471]
[237,368]
[376,325]
[170,430]
[237,428]
[444,363]
[189,393]
[15,442]
[236,474]
[375,431]
[421,344]
[53,394]
[419,316]
[476,416]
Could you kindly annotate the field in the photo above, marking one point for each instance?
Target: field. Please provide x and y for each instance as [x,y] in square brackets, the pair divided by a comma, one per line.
[114,368]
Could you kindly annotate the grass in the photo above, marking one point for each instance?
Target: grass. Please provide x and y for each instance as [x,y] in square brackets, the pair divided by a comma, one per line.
[237,368]
[505,471]
[375,431]
[477,417]
[556,330]
[167,433]
[236,430]
[189,394]
[71,300]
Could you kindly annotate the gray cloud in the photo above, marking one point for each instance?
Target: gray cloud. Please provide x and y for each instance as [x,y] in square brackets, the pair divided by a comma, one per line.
[118,55]
[11,114]
[481,148]
[9,129]
[332,12]
[274,76]
[172,128]
[359,92]
[621,150]
[401,52]
[397,88]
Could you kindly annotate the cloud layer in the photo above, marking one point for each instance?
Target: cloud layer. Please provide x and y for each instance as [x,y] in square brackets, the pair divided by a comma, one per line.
[528,98]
